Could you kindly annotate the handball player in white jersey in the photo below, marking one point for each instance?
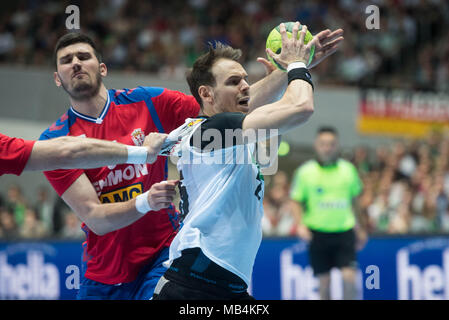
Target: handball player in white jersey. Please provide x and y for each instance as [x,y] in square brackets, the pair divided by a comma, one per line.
[221,186]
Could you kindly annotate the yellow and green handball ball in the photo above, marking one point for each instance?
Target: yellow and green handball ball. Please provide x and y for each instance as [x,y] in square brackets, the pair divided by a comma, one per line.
[274,42]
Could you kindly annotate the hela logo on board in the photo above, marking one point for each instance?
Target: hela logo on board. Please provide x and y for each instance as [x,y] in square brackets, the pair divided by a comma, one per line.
[429,282]
[299,283]
[33,280]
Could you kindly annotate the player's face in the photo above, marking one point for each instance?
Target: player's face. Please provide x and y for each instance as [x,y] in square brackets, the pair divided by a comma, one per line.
[231,92]
[78,71]
[326,147]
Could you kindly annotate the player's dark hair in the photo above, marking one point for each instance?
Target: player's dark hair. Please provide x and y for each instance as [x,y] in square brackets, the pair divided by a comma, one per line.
[327,129]
[201,72]
[72,38]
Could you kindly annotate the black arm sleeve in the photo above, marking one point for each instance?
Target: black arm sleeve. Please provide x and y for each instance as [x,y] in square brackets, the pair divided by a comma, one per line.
[227,124]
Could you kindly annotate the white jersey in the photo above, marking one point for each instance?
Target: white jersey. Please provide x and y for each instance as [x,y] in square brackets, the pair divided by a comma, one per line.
[223,206]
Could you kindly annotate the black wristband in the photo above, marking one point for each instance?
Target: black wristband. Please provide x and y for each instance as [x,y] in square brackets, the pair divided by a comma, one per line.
[300,73]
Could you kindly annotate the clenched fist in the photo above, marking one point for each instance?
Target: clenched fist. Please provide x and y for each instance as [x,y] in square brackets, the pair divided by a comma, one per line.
[161,194]
[154,142]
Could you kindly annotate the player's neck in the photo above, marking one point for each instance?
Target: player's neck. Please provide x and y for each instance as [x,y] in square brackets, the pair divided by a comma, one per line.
[328,163]
[208,111]
[91,107]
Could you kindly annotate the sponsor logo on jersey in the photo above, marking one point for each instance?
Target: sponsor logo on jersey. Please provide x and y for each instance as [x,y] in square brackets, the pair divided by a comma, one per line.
[122,194]
[337,204]
[116,177]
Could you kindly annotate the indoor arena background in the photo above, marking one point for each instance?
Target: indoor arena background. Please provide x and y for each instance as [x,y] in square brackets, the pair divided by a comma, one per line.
[386,92]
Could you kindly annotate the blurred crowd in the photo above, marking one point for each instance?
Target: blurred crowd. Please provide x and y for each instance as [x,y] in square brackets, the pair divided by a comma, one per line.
[20,219]
[406,187]
[410,49]
[406,190]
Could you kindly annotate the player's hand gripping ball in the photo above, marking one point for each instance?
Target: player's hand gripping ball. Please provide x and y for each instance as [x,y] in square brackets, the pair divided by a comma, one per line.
[274,42]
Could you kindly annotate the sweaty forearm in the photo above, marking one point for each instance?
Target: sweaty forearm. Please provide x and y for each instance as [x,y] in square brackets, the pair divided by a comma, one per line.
[91,153]
[73,152]
[295,107]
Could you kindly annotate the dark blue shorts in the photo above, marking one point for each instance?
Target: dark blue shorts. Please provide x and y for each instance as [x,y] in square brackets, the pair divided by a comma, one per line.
[140,289]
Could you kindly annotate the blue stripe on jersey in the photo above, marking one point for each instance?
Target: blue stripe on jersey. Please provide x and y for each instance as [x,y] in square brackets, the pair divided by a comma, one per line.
[154,115]
[126,96]
[174,218]
[60,128]
[151,92]
[84,255]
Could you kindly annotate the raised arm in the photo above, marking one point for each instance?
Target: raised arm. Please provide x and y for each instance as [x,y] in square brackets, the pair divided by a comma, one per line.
[83,153]
[273,85]
[294,108]
[267,89]
[296,105]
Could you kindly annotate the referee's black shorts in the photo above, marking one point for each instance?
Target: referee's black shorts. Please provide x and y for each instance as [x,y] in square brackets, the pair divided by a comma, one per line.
[332,250]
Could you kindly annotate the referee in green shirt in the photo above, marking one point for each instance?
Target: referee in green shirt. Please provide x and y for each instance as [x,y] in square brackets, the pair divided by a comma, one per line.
[326,188]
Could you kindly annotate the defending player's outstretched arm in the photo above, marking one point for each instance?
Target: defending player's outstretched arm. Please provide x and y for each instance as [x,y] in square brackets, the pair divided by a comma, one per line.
[74,152]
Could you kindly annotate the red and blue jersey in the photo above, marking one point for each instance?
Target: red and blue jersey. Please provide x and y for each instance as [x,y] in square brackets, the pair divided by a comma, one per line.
[128,116]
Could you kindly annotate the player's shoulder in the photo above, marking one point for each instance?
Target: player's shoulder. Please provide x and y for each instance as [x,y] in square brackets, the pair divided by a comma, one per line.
[304,173]
[346,164]
[59,128]
[173,96]
[306,170]
[4,137]
[227,115]
[144,93]
[140,93]
[225,120]
[347,168]
[307,166]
